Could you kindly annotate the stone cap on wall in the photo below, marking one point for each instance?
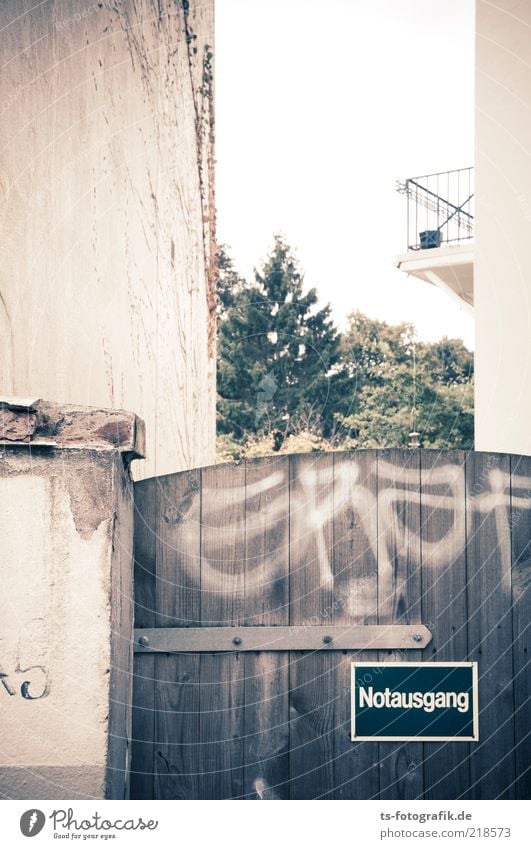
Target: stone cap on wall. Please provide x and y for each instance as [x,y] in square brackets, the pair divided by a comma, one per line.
[25,421]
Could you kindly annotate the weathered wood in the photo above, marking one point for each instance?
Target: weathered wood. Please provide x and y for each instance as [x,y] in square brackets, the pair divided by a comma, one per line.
[444,601]
[281,638]
[266,578]
[266,715]
[335,544]
[266,726]
[178,602]
[178,735]
[221,726]
[223,545]
[399,596]
[521,602]
[222,603]
[143,729]
[354,565]
[312,675]
[178,599]
[492,760]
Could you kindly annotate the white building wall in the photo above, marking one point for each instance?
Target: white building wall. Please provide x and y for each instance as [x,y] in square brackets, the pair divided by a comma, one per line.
[107,214]
[502,272]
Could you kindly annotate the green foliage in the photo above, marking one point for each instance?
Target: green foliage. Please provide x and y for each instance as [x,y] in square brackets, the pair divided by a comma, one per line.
[229,285]
[277,353]
[288,381]
[303,442]
[401,386]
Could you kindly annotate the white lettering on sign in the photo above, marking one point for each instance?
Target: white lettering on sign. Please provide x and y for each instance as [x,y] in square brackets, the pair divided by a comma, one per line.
[426,701]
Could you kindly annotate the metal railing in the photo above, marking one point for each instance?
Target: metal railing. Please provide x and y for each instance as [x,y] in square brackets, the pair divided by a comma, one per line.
[440,208]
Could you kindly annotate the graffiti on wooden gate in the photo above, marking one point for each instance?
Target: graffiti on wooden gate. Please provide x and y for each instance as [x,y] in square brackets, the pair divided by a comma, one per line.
[320,496]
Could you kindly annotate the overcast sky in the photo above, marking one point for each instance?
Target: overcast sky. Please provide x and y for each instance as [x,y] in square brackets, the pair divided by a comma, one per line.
[321,107]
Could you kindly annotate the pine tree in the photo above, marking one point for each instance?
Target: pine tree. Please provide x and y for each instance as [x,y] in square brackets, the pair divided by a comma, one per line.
[278,354]
[287,381]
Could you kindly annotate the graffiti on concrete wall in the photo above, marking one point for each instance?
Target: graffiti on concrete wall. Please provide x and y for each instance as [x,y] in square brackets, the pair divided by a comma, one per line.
[30,682]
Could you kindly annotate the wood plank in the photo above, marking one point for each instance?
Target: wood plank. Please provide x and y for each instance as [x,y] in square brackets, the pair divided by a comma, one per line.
[177,735]
[179,537]
[266,714]
[178,603]
[311,527]
[521,599]
[221,726]
[444,601]
[143,720]
[312,675]
[355,572]
[399,597]
[266,721]
[492,760]
[266,576]
[222,676]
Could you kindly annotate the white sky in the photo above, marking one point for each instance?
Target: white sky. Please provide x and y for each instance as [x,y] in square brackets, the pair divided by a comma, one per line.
[321,106]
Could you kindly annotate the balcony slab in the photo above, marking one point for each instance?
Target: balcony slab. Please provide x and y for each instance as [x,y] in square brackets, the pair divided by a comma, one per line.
[451,268]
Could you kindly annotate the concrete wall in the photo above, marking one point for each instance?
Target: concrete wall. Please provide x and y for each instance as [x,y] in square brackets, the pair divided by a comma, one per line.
[502,273]
[107,274]
[66,525]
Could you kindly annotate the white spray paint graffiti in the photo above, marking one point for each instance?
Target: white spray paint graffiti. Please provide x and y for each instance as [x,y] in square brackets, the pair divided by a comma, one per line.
[314,501]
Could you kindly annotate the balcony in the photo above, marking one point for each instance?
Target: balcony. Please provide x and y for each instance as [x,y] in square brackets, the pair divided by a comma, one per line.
[440,231]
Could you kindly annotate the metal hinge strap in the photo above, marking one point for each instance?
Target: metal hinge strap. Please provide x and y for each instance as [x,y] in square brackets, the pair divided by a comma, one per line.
[281,638]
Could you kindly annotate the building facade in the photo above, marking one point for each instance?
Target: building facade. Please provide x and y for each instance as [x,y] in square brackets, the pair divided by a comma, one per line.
[491,273]
[107,257]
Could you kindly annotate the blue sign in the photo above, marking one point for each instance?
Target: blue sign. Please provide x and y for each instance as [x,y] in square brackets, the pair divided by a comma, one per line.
[415,701]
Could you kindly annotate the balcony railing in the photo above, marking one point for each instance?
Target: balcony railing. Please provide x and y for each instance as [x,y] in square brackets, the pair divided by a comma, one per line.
[440,209]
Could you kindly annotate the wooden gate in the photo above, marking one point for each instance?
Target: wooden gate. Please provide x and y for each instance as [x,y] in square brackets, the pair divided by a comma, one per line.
[388,537]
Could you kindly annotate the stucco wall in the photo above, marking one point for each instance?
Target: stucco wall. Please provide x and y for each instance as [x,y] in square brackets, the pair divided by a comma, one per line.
[502,272]
[107,213]
[66,517]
